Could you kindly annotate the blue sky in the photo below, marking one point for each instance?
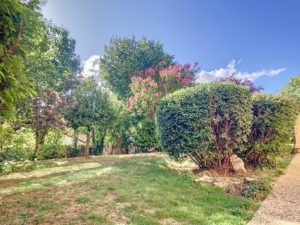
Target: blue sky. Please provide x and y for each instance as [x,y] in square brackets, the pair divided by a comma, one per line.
[256,39]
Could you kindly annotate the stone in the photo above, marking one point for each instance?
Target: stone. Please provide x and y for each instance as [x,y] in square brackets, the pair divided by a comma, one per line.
[237,164]
[205,179]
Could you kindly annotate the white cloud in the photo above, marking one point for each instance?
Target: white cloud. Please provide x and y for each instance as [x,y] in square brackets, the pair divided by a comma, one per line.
[230,69]
[91,67]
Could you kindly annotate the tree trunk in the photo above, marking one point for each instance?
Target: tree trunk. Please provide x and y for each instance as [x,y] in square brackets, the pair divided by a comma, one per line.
[39,141]
[75,139]
[101,143]
[37,144]
[87,146]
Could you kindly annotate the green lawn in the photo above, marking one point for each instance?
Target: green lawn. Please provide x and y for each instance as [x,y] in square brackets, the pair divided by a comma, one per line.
[140,189]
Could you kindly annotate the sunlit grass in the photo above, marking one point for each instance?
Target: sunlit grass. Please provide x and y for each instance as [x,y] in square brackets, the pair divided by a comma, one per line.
[120,190]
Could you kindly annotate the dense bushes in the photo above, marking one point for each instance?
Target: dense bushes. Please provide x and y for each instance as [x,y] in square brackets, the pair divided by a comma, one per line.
[272,129]
[207,122]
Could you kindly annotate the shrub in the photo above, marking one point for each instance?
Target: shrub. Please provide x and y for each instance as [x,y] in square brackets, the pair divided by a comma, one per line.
[51,151]
[143,134]
[188,177]
[256,189]
[71,152]
[207,122]
[272,130]
[16,145]
[30,166]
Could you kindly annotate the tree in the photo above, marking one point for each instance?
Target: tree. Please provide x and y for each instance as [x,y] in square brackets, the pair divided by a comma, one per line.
[124,56]
[151,84]
[20,23]
[46,115]
[92,109]
[292,89]
[148,86]
[53,68]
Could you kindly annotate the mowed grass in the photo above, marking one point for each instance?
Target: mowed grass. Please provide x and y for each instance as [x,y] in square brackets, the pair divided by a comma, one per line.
[140,189]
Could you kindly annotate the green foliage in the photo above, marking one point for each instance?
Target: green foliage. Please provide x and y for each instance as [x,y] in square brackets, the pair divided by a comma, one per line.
[51,151]
[16,145]
[19,24]
[7,167]
[292,89]
[72,152]
[92,110]
[188,177]
[144,133]
[30,166]
[124,56]
[207,122]
[272,130]
[256,189]
[53,147]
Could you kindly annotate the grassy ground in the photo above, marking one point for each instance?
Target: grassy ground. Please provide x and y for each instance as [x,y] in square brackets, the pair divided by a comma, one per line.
[139,189]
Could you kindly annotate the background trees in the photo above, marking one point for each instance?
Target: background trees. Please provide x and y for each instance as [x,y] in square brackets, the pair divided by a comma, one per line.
[124,56]
[92,110]
[38,67]
[42,93]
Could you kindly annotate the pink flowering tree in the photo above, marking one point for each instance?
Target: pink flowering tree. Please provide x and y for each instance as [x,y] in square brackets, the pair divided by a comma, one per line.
[149,85]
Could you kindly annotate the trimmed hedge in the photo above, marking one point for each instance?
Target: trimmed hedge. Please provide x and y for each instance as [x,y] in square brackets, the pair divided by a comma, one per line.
[272,130]
[207,122]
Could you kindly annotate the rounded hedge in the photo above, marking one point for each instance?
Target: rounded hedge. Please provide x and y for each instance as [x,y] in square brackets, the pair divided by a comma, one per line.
[272,130]
[207,122]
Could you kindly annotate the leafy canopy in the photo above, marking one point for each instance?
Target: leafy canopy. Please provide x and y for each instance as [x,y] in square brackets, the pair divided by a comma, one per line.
[124,56]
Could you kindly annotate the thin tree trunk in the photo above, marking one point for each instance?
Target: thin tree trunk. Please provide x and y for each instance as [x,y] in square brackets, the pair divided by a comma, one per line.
[75,139]
[37,144]
[87,146]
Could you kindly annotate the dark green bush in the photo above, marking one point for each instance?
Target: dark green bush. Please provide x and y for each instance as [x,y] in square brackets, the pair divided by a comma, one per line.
[256,189]
[144,135]
[51,151]
[272,130]
[207,122]
[71,152]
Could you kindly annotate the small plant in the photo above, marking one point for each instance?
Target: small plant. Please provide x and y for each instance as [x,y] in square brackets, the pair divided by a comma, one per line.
[30,166]
[256,189]
[188,177]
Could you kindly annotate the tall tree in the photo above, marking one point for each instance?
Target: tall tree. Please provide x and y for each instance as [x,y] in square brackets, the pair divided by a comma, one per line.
[92,110]
[46,115]
[53,66]
[20,23]
[124,56]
